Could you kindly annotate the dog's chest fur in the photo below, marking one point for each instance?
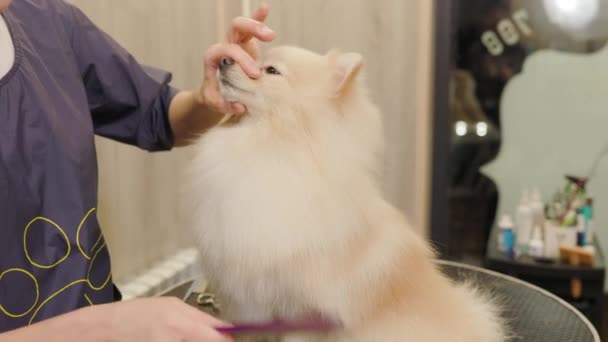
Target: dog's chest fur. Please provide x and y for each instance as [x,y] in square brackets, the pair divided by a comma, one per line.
[263,205]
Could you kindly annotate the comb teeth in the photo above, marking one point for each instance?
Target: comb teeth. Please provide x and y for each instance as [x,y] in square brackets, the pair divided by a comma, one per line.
[280,326]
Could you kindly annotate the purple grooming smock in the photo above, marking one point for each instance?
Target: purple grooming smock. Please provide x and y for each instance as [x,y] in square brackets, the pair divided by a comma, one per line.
[69,81]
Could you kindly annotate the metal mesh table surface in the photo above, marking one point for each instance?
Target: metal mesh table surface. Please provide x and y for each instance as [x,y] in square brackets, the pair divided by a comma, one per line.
[533,314]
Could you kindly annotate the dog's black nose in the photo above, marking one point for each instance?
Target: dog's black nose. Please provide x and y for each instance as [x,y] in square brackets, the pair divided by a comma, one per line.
[225,63]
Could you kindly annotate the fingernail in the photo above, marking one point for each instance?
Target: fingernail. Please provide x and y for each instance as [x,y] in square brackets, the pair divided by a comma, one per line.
[236,107]
[255,72]
[266,31]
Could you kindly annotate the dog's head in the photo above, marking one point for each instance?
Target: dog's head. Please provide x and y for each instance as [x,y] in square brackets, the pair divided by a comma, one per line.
[292,78]
[307,97]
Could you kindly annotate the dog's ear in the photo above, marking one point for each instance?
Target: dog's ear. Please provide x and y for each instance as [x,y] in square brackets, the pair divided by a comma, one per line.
[346,68]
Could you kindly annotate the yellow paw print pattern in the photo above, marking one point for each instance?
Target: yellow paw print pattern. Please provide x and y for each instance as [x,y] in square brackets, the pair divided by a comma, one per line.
[38,303]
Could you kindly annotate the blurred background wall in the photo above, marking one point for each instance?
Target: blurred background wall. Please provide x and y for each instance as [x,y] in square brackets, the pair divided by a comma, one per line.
[139,205]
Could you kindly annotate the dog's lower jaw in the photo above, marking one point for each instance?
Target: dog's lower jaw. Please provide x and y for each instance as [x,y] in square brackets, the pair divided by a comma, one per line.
[228,93]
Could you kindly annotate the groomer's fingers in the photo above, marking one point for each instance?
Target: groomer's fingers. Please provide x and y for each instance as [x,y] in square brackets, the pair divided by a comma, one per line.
[196,314]
[214,56]
[211,89]
[237,108]
[201,326]
[243,29]
[214,100]
[262,12]
[208,334]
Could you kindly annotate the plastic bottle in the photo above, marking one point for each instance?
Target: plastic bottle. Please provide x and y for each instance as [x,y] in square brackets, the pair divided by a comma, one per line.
[580,230]
[505,236]
[587,211]
[537,208]
[536,247]
[523,222]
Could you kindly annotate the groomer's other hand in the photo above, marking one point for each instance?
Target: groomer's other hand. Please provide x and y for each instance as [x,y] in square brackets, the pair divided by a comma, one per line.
[243,31]
[241,46]
[161,319]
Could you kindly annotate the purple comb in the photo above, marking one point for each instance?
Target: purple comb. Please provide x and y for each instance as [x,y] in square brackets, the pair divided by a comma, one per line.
[280,327]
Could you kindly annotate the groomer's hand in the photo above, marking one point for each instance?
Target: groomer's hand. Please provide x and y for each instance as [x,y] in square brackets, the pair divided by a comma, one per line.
[241,46]
[161,319]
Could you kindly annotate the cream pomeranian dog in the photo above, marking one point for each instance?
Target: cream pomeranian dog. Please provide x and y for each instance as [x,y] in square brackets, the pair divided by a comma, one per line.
[291,220]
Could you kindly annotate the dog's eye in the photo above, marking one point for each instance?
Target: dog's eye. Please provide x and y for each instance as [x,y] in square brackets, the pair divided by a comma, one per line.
[272,70]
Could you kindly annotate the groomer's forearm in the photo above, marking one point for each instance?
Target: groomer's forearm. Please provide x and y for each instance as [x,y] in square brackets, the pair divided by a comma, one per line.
[189,118]
[88,324]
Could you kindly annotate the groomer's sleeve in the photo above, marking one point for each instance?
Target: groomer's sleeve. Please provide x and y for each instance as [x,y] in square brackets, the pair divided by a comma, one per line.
[129,102]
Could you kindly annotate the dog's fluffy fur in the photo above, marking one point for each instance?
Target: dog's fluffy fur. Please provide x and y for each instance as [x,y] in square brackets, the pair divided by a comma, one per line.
[291,220]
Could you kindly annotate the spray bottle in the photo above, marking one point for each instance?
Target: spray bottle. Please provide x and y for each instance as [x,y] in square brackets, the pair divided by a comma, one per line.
[537,208]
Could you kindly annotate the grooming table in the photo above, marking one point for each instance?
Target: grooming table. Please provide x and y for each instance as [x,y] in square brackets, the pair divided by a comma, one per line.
[534,314]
